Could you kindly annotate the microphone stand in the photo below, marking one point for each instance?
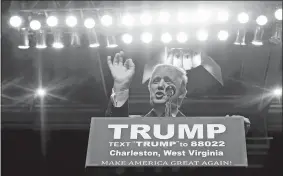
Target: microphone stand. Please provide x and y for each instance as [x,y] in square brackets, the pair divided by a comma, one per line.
[168,108]
[170,91]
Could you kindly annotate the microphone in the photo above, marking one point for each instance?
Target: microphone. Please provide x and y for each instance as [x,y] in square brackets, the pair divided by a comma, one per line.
[170,90]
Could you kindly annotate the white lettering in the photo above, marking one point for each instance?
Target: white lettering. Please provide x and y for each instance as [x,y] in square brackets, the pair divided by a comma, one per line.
[117,130]
[157,132]
[184,128]
[211,131]
[143,132]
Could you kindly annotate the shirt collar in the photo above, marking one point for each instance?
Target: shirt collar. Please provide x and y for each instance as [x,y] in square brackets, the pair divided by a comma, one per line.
[152,113]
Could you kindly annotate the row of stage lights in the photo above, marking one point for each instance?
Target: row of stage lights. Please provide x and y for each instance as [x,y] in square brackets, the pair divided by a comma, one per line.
[145,19]
[201,35]
[146,37]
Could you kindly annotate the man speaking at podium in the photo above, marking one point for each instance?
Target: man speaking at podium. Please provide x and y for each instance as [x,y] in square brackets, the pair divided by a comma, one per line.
[167,87]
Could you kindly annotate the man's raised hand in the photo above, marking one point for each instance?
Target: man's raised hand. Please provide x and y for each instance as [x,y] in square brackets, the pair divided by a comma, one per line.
[122,72]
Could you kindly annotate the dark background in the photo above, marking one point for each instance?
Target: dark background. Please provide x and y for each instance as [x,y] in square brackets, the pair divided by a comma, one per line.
[79,82]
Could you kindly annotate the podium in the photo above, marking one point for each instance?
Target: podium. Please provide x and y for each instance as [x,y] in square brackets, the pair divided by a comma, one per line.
[165,142]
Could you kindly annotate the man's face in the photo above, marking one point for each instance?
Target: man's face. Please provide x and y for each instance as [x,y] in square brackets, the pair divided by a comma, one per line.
[161,78]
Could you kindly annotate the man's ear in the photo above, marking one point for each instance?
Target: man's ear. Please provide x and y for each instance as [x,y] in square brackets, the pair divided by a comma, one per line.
[183,95]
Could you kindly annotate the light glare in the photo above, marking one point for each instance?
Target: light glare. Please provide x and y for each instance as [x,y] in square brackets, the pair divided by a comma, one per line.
[243,17]
[71,21]
[128,20]
[223,16]
[127,38]
[35,25]
[94,45]
[146,19]
[164,17]
[15,21]
[41,92]
[203,15]
[182,37]
[261,20]
[277,92]
[57,45]
[202,35]
[106,20]
[146,37]
[182,17]
[278,14]
[52,21]
[89,23]
[166,38]
[223,35]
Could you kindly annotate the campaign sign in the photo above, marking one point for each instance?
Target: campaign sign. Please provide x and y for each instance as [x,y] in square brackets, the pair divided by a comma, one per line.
[191,141]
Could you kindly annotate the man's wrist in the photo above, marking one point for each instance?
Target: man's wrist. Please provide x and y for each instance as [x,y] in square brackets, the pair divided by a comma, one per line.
[120,87]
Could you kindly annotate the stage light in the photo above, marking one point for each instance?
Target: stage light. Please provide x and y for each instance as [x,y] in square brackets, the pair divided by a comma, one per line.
[89,23]
[16,21]
[40,92]
[276,37]
[35,25]
[278,14]
[202,35]
[95,45]
[243,18]
[24,40]
[241,37]
[40,39]
[261,20]
[58,40]
[146,19]
[128,20]
[277,92]
[187,63]
[203,15]
[71,21]
[223,35]
[75,39]
[127,38]
[92,38]
[166,37]
[164,16]
[106,20]
[146,37]
[196,60]
[258,36]
[52,21]
[182,17]
[111,42]
[57,45]
[223,16]
[182,37]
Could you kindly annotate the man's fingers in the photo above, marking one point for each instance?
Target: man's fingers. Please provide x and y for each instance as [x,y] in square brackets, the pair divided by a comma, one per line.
[121,58]
[109,61]
[116,59]
[129,64]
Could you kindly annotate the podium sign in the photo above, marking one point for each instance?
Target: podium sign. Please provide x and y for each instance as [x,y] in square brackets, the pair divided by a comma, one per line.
[165,142]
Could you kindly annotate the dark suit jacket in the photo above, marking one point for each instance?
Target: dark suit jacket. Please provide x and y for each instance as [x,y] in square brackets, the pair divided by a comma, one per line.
[123,111]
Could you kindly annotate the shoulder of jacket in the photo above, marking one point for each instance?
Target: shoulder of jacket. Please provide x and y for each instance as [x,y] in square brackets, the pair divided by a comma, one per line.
[133,116]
